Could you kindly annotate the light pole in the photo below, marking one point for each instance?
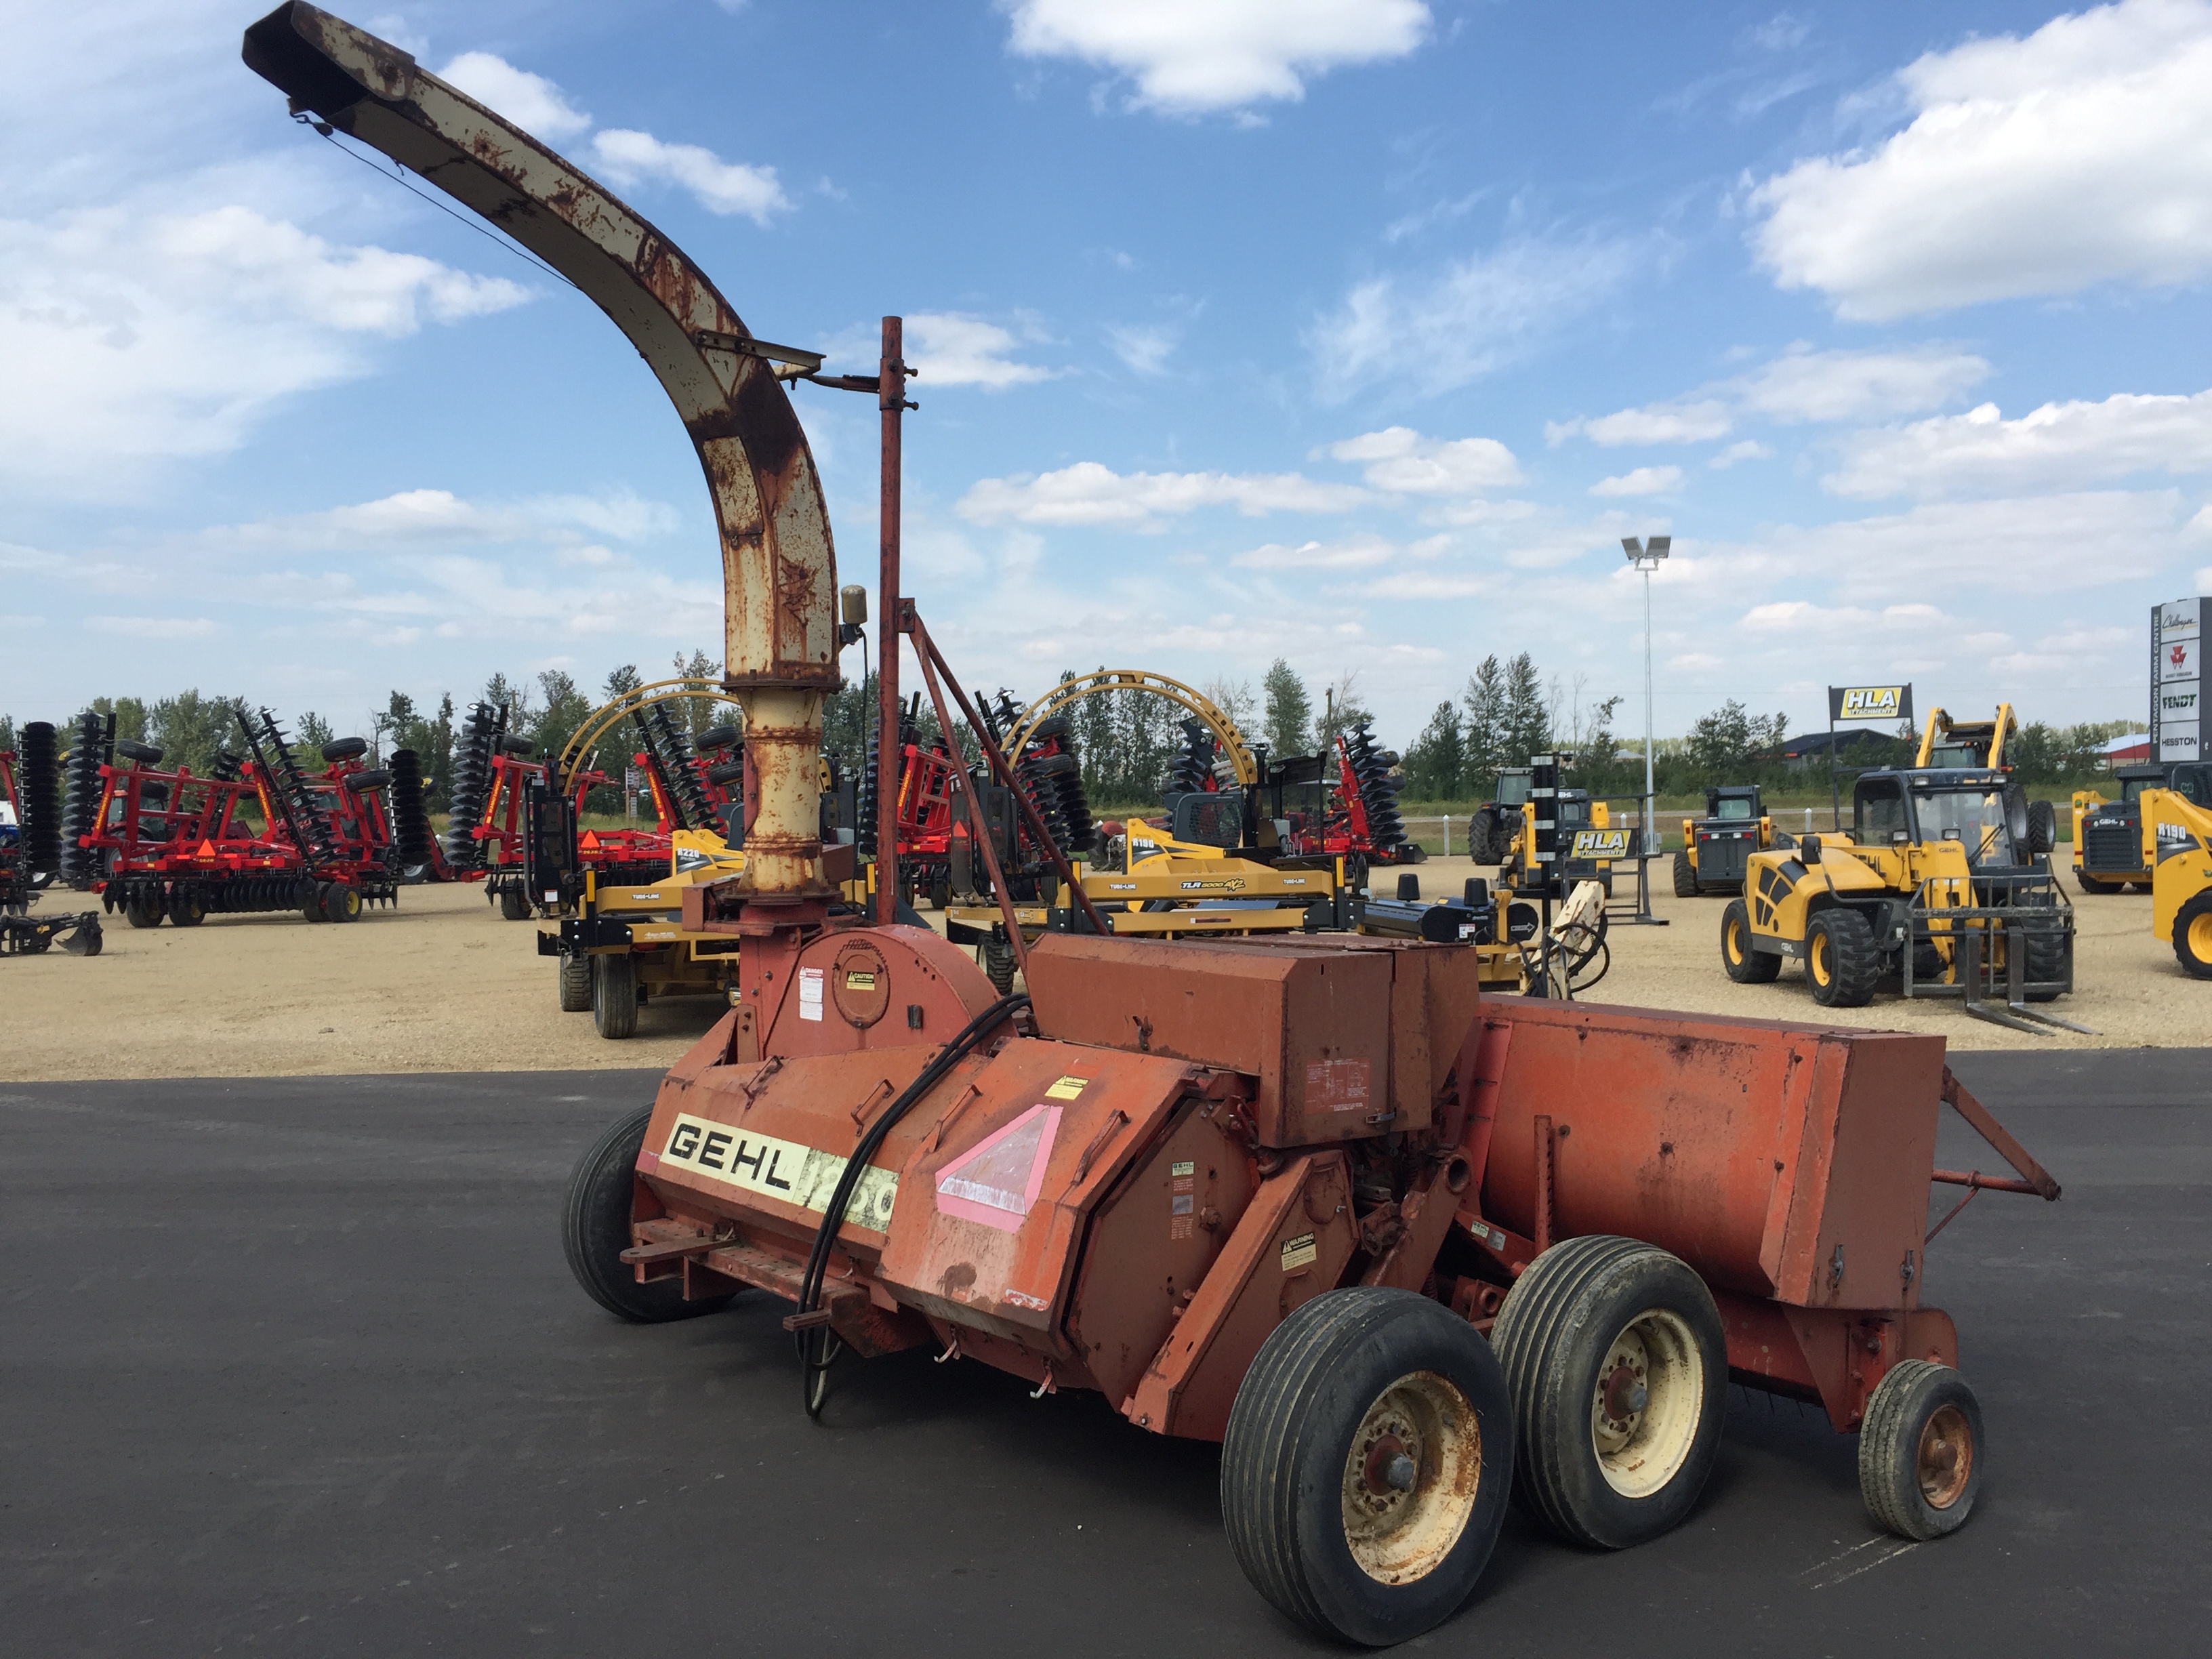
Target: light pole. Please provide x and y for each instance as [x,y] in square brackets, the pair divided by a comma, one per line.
[1647,558]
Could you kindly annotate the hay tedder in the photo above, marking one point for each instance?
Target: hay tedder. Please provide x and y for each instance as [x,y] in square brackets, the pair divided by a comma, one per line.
[1403,1251]
[159,844]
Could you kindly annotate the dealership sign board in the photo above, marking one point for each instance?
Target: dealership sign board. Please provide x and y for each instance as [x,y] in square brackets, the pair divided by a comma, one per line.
[2179,727]
[1869,703]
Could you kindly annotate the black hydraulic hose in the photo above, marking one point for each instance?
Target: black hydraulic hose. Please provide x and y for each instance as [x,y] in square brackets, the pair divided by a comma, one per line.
[812,1366]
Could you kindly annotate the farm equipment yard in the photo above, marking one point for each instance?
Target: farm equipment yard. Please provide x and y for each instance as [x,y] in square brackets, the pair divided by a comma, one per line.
[819,1150]
[441,983]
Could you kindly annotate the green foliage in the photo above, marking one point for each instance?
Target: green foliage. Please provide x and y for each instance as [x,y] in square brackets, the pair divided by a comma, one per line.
[1288,719]
[1436,761]
[312,731]
[190,730]
[1526,726]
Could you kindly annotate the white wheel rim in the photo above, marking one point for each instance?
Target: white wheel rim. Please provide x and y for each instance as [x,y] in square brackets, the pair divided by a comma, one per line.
[1649,1401]
[1397,1536]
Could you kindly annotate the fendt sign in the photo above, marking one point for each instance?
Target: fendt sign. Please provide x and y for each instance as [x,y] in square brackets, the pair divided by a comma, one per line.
[2178,723]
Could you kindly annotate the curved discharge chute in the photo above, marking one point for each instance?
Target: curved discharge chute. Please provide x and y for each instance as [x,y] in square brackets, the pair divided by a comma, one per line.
[779,570]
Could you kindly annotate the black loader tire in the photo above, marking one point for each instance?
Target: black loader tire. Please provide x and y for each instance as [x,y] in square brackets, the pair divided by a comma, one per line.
[188,906]
[2045,953]
[375,777]
[1685,877]
[144,753]
[715,737]
[725,772]
[516,745]
[575,985]
[341,902]
[2091,884]
[343,749]
[614,996]
[940,894]
[997,957]
[1920,1450]
[1617,1362]
[311,900]
[1327,1533]
[2192,936]
[595,1214]
[1051,726]
[1746,965]
[1842,964]
[2042,828]
[144,910]
[513,904]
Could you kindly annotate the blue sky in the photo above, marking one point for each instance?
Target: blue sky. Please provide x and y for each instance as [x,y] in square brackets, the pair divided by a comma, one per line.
[1353,332]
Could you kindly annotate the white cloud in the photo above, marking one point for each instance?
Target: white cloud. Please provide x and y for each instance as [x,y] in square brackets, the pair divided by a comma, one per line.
[1800,386]
[1438,334]
[412,518]
[1090,493]
[1749,450]
[2079,155]
[729,188]
[1357,553]
[1191,56]
[1143,348]
[949,348]
[1642,480]
[132,337]
[2058,446]
[1401,461]
[530,102]
[154,628]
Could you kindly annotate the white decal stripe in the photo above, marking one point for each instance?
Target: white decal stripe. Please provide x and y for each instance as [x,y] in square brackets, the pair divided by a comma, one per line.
[785,1169]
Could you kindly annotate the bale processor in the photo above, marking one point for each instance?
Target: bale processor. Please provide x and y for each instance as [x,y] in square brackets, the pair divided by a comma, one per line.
[1402,1251]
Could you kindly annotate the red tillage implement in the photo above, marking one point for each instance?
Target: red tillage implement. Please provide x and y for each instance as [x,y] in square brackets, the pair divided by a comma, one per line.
[1403,1250]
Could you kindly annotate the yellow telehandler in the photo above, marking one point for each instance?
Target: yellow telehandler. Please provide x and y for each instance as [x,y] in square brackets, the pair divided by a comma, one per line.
[2177,845]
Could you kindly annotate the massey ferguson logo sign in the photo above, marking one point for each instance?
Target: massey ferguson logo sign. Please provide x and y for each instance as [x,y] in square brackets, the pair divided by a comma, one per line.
[1869,703]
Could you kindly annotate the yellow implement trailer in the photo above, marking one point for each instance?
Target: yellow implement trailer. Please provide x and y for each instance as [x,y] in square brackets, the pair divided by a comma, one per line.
[2177,843]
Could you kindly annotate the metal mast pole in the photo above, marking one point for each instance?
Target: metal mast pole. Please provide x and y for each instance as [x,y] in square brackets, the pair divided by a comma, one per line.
[891,400]
[1649,841]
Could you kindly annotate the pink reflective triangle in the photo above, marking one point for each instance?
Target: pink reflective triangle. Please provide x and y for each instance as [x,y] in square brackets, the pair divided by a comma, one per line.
[997,1182]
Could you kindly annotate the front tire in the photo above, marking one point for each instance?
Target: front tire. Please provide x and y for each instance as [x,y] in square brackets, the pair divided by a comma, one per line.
[614,996]
[1920,1451]
[1841,963]
[1685,877]
[2192,937]
[1747,965]
[595,1217]
[1368,1465]
[1617,1363]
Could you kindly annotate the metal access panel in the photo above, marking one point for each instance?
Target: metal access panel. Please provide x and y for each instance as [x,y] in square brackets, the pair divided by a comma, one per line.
[1725,854]
[1311,1028]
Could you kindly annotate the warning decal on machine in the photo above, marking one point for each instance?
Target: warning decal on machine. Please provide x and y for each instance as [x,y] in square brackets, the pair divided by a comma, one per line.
[785,1169]
[997,1182]
[1300,1252]
[810,993]
[1337,1086]
[1066,1089]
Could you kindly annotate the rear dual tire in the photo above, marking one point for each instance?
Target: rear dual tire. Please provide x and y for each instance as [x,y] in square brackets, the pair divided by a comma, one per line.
[1368,1465]
[1617,1365]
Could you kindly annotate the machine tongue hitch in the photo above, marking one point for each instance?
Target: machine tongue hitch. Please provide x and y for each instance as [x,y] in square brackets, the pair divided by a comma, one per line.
[1401,1249]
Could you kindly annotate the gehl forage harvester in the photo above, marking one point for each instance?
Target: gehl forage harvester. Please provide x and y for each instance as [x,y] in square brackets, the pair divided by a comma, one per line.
[1402,1250]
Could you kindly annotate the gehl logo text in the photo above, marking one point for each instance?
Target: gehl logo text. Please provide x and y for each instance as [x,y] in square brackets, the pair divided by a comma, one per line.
[687,1145]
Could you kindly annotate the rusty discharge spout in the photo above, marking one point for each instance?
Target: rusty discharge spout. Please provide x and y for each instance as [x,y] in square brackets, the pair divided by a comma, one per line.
[779,569]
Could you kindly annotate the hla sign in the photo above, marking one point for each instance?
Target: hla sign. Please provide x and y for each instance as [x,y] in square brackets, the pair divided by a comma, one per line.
[1869,703]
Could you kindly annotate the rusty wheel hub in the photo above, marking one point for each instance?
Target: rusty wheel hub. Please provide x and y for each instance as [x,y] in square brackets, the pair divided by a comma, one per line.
[1945,1458]
[1410,1478]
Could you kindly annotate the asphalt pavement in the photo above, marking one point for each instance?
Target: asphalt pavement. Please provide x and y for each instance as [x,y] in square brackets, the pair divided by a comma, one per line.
[295,1366]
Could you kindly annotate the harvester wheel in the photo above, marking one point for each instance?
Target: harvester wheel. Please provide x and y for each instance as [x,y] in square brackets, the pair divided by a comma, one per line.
[1920,1463]
[1746,965]
[614,996]
[341,902]
[575,984]
[1841,963]
[2192,937]
[514,904]
[1685,877]
[595,1218]
[1617,1362]
[1368,1465]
